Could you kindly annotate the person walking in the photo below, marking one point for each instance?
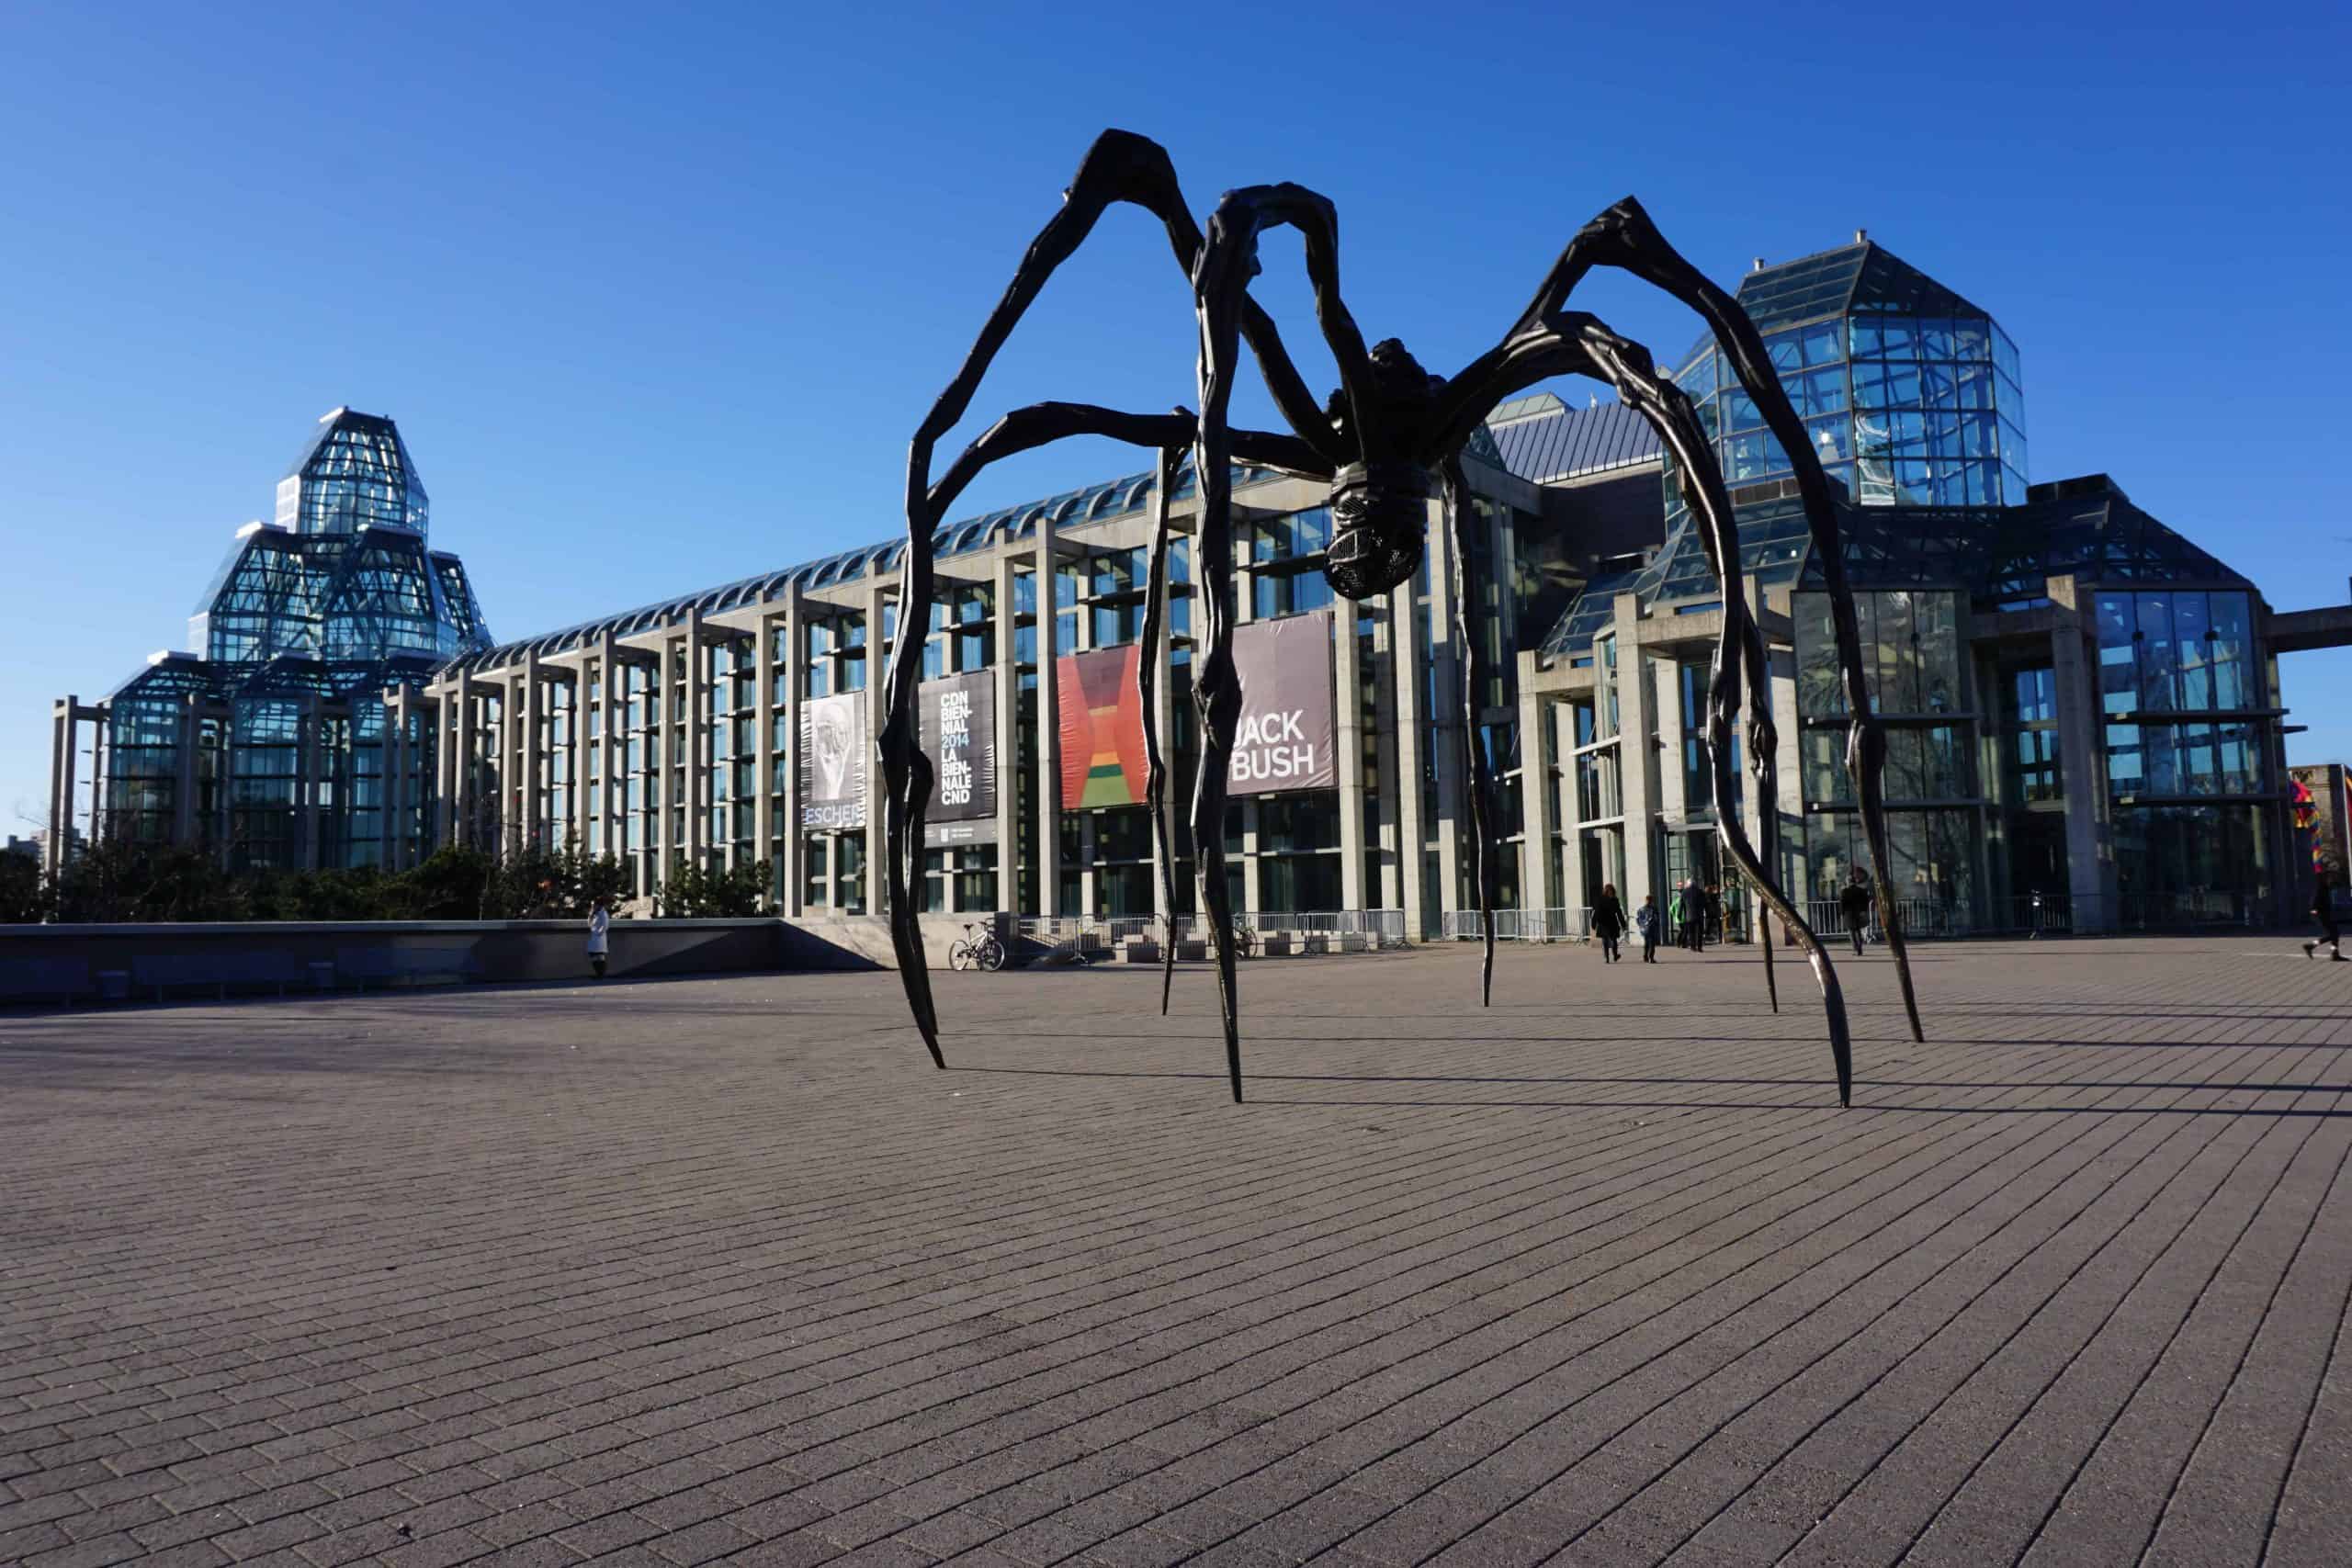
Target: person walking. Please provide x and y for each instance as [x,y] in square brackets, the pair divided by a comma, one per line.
[1854,903]
[1677,928]
[1715,913]
[1694,904]
[1645,921]
[2323,911]
[1608,921]
[600,931]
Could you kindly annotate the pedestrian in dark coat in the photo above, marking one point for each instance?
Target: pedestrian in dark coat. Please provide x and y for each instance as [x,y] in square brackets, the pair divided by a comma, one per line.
[2323,911]
[1645,921]
[1854,903]
[1608,921]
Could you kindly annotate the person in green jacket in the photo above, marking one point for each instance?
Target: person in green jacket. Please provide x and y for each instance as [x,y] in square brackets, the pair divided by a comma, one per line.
[1677,919]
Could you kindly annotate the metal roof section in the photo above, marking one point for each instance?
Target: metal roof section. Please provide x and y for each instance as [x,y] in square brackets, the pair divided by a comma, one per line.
[1543,440]
[1098,503]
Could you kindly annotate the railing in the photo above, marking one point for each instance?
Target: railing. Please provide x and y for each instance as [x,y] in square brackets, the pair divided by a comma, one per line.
[1920,918]
[1380,927]
[1520,925]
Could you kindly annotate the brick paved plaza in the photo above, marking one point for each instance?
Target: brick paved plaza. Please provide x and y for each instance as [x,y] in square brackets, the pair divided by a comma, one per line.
[722,1268]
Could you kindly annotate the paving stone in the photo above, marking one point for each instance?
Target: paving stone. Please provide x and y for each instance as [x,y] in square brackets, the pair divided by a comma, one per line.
[722,1268]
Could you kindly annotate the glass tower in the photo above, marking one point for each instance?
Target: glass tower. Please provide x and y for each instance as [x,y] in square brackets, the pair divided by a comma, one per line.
[1909,394]
[335,600]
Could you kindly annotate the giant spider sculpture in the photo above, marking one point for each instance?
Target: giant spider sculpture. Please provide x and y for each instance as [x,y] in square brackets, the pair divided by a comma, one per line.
[1387,442]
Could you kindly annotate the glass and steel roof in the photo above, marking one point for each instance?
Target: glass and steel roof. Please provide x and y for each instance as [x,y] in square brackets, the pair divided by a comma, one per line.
[2003,558]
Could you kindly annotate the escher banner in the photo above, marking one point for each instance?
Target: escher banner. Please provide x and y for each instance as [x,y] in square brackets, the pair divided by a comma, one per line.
[832,762]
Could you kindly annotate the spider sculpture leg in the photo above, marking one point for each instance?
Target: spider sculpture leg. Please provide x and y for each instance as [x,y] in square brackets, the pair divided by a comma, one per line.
[1120,166]
[1154,789]
[1574,344]
[1625,238]
[1738,661]
[1220,291]
[1479,774]
[906,771]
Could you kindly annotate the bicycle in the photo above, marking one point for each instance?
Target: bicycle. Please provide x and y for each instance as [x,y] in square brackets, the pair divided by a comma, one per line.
[980,952]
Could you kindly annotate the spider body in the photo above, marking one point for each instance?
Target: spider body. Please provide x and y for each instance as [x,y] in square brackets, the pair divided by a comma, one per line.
[1388,443]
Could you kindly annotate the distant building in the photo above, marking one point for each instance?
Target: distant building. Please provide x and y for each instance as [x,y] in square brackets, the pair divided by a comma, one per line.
[268,738]
[2082,704]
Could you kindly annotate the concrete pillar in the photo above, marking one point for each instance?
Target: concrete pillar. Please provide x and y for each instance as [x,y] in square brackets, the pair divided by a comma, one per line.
[1637,766]
[2090,844]
[613,801]
[877,668]
[1048,793]
[61,785]
[796,679]
[1571,813]
[1386,832]
[469,772]
[763,666]
[444,767]
[1537,798]
[1008,749]
[697,793]
[97,718]
[1450,724]
[1348,698]
[1409,674]
[667,778]
[532,719]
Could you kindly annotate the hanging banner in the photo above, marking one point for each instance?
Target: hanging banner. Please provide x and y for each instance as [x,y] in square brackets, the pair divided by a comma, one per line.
[1101,728]
[833,761]
[1288,733]
[958,718]
[1287,738]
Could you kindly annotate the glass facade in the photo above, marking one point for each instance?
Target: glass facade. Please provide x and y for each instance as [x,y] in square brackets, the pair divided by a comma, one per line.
[274,724]
[1910,395]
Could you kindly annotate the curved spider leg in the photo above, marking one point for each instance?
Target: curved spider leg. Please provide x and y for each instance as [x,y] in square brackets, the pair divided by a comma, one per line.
[1154,789]
[906,771]
[1229,259]
[1738,653]
[1479,772]
[1625,238]
[1576,343]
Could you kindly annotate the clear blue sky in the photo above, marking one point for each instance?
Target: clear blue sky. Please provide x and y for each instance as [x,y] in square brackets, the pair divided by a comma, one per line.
[658,300]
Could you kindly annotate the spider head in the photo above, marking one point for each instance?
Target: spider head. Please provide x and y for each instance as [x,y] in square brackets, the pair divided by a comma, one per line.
[1379,513]
[1380,506]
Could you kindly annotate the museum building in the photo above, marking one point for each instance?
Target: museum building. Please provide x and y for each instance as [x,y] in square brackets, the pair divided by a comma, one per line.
[2082,704]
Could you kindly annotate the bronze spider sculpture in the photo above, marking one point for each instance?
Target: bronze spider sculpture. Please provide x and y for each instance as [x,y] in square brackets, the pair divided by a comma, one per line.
[1387,442]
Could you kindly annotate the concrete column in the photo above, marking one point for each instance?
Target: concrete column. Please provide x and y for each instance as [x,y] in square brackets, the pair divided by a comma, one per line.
[795,678]
[60,784]
[877,665]
[1008,750]
[614,801]
[667,777]
[1409,672]
[1390,891]
[1048,794]
[469,771]
[763,753]
[1537,799]
[533,717]
[1452,724]
[1571,812]
[698,793]
[445,768]
[97,718]
[1348,698]
[1251,890]
[1637,768]
[2090,844]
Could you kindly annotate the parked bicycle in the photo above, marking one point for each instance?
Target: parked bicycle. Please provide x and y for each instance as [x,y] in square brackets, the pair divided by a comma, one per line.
[977,948]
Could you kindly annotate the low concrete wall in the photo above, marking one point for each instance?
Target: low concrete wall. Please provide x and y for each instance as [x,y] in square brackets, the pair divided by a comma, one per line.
[47,964]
